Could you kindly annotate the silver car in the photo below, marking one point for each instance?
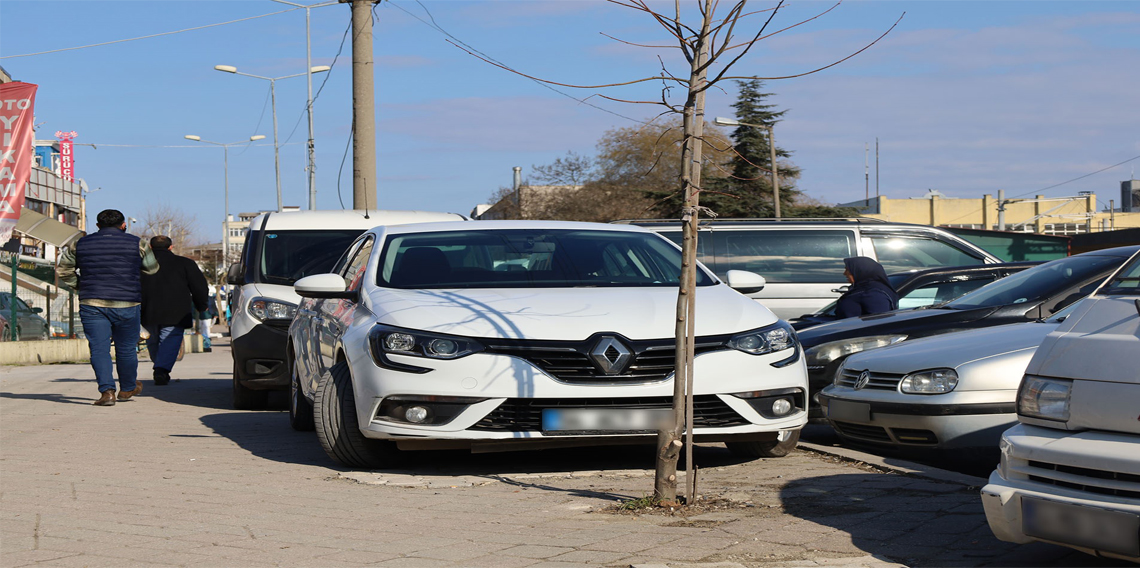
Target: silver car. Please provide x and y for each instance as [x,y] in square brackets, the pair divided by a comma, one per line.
[953,391]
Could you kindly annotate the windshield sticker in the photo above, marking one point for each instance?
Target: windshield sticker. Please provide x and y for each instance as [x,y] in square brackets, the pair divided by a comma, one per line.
[271,235]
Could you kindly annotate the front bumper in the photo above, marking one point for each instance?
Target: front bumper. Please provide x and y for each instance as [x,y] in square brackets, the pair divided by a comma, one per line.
[957,420]
[505,398]
[1089,483]
[259,356]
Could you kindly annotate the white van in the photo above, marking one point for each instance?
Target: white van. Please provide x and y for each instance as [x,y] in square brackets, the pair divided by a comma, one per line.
[1070,470]
[281,248]
[801,260]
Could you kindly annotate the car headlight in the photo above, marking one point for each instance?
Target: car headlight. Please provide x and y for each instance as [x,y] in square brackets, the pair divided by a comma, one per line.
[1043,398]
[263,309]
[934,381]
[385,339]
[776,337]
[825,353]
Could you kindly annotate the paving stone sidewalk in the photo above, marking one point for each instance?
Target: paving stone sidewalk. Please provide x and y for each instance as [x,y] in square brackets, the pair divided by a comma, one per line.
[176,477]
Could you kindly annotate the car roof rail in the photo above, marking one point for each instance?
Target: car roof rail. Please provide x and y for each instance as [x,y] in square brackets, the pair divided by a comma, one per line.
[759,219]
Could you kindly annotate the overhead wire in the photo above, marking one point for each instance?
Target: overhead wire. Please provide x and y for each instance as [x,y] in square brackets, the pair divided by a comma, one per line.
[147,36]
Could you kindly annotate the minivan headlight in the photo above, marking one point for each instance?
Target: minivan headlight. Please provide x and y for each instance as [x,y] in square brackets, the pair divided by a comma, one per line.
[263,309]
[776,337]
[400,341]
[1043,398]
[934,381]
[825,353]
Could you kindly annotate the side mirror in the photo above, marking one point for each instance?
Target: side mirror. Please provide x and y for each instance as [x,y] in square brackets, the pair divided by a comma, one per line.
[234,275]
[323,286]
[37,310]
[745,282]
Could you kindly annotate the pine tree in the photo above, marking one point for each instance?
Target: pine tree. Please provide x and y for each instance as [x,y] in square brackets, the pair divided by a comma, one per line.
[751,180]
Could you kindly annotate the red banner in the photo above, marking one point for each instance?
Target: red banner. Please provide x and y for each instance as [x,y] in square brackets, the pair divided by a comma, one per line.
[17,107]
[66,157]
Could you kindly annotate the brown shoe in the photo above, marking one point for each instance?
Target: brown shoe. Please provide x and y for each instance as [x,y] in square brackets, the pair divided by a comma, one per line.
[126,395]
[106,398]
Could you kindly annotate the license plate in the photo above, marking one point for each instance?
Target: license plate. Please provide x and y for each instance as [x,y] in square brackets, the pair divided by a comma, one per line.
[604,420]
[1101,529]
[845,411]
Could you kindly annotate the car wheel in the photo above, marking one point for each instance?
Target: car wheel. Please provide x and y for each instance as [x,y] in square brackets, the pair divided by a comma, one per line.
[300,409]
[44,336]
[5,335]
[783,445]
[247,398]
[334,413]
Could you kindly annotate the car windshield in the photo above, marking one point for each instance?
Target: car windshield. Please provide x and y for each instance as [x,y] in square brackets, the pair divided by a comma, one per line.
[1036,283]
[530,258]
[287,256]
[1126,282]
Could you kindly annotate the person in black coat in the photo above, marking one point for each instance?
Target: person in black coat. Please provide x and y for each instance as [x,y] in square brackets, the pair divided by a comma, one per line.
[870,292]
[170,298]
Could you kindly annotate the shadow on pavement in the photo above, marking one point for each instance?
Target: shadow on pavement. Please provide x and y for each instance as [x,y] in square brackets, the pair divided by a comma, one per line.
[918,523]
[53,397]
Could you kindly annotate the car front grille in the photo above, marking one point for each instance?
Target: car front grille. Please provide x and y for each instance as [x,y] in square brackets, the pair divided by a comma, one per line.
[878,381]
[862,432]
[570,362]
[525,414]
[1096,481]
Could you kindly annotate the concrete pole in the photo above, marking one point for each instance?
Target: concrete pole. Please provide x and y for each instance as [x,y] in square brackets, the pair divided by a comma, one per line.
[775,173]
[1001,209]
[226,219]
[312,168]
[364,194]
[276,153]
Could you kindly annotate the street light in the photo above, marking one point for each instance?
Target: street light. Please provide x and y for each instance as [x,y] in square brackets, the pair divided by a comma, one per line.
[273,103]
[309,77]
[226,174]
[721,121]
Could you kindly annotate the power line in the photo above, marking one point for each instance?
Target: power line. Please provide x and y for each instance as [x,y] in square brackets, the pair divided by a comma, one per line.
[1081,177]
[147,36]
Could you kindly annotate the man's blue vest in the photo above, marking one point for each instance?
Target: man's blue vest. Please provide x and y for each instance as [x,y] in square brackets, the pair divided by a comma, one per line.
[109,266]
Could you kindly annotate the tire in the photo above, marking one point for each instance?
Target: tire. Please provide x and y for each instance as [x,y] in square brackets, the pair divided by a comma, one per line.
[300,409]
[771,449]
[5,335]
[19,334]
[334,413]
[247,398]
[44,335]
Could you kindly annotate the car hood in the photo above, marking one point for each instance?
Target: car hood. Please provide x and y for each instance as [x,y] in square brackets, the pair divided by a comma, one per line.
[565,313]
[955,350]
[888,323]
[274,291]
[1099,341]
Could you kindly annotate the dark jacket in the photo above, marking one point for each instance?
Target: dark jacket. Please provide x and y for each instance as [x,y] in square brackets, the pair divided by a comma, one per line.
[169,295]
[109,266]
[870,293]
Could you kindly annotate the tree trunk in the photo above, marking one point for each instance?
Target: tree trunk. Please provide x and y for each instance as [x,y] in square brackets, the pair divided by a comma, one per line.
[669,442]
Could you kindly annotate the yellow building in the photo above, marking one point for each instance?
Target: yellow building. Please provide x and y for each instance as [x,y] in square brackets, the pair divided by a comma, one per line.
[1044,215]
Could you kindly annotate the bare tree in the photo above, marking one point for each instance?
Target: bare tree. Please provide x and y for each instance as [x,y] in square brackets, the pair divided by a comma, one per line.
[711,49]
[174,223]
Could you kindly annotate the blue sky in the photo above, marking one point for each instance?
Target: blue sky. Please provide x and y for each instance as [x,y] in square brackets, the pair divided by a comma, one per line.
[965,97]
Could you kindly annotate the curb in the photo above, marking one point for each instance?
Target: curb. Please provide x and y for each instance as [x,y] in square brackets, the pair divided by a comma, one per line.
[895,465]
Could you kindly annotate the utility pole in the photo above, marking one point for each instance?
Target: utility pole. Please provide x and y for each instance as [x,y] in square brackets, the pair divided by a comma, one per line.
[866,175]
[876,166]
[364,194]
[1001,209]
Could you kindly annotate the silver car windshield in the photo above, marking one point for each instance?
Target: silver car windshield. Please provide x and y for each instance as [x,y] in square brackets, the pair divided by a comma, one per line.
[530,258]
[1126,282]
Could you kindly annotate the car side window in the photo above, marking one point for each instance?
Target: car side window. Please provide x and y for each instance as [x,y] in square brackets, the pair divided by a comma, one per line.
[899,254]
[938,292]
[784,256]
[354,271]
[22,306]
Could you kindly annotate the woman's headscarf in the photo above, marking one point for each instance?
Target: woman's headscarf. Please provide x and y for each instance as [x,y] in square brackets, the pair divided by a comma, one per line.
[864,269]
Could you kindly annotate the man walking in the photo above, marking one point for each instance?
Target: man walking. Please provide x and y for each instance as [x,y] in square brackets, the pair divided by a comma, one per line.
[168,298]
[107,267]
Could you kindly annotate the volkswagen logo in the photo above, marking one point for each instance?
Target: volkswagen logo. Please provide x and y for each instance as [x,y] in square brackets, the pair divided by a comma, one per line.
[610,356]
[864,378]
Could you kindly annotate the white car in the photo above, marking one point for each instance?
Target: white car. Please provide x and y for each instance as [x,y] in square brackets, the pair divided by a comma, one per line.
[947,392]
[504,335]
[1070,470]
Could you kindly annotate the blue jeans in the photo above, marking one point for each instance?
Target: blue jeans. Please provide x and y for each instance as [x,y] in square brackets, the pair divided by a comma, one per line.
[163,345]
[102,326]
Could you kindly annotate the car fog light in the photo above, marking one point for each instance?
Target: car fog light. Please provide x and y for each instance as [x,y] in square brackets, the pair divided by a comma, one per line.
[416,414]
[445,347]
[400,342]
[781,406]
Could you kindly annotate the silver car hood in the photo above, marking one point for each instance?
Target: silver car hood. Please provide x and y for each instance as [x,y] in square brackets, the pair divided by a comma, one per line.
[953,350]
[565,313]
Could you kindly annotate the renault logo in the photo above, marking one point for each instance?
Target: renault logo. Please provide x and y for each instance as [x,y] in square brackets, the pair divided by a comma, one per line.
[611,356]
[864,378]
